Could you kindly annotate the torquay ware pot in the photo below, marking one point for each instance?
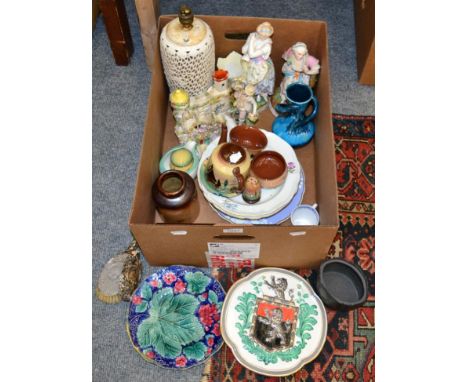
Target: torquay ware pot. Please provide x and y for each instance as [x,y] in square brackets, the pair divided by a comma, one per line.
[270,168]
[341,285]
[173,317]
[272,200]
[274,322]
[230,165]
[250,138]
[175,196]
[293,125]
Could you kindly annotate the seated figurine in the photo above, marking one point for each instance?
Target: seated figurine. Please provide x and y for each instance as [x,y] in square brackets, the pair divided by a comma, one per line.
[299,67]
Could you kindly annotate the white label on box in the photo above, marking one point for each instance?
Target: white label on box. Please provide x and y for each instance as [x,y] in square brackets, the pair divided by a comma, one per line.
[242,250]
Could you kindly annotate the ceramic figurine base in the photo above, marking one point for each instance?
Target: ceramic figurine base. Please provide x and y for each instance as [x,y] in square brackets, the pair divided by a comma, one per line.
[274,322]
[173,318]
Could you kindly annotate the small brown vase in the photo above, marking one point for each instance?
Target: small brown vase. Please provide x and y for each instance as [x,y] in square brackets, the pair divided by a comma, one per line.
[175,196]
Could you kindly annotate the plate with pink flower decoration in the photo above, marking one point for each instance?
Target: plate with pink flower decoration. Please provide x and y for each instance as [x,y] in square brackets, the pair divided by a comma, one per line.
[174,317]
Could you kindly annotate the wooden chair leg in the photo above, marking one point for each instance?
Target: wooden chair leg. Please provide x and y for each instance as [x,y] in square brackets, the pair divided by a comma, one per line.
[148,13]
[118,30]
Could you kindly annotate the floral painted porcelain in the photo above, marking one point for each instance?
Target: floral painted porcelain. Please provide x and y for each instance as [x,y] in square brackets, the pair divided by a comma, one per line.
[272,200]
[277,218]
[173,318]
[274,322]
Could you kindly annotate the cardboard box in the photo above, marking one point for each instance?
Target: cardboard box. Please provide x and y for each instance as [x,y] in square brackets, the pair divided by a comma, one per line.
[364,17]
[281,246]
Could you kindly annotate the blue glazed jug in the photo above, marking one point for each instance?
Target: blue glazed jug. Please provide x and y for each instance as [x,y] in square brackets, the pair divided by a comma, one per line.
[292,124]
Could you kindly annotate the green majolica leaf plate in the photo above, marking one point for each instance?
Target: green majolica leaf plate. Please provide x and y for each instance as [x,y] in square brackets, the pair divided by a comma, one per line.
[173,318]
[274,322]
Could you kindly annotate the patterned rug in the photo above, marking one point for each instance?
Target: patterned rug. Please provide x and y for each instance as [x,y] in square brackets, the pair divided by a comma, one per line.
[348,354]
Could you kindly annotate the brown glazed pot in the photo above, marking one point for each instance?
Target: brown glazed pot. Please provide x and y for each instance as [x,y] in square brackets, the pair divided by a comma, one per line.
[270,168]
[175,196]
[250,138]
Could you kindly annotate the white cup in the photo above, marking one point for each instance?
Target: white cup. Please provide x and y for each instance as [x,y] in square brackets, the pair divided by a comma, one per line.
[305,214]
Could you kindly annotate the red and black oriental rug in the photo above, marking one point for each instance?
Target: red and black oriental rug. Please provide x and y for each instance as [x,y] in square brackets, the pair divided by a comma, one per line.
[348,354]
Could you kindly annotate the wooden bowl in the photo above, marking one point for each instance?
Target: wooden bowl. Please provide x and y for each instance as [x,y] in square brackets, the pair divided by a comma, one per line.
[250,138]
[270,168]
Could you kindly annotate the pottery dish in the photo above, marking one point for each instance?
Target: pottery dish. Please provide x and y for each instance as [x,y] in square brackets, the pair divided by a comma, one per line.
[274,322]
[250,138]
[341,285]
[271,201]
[173,318]
[270,168]
[175,159]
[277,218]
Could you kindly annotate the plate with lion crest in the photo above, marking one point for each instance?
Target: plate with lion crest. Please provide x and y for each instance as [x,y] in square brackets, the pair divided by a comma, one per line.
[273,322]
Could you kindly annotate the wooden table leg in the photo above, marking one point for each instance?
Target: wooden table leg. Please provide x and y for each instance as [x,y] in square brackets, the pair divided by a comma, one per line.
[118,30]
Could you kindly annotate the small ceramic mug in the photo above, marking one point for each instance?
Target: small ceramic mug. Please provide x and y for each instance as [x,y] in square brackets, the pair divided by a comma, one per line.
[305,214]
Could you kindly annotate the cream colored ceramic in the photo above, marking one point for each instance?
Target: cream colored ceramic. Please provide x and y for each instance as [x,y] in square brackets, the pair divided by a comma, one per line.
[273,322]
[230,163]
[272,200]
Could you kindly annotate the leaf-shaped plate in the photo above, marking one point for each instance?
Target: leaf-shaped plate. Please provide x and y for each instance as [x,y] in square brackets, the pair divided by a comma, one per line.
[173,318]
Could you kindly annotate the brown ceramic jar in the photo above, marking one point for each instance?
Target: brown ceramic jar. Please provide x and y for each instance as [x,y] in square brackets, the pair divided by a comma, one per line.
[175,196]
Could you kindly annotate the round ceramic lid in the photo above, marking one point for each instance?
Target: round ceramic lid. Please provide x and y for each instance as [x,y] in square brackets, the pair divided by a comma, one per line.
[274,322]
[173,318]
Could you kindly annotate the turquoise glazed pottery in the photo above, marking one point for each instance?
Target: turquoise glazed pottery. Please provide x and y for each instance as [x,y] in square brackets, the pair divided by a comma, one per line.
[173,318]
[292,124]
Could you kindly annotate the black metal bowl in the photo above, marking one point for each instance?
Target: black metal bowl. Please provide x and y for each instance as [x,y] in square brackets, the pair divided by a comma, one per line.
[341,285]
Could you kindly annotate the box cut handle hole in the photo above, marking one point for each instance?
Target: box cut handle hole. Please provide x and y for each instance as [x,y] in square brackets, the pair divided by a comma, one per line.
[179,233]
[234,237]
[236,35]
[298,233]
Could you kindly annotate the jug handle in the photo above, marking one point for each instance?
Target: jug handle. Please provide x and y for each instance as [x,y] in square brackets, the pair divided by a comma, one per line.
[314,111]
[239,177]
[223,137]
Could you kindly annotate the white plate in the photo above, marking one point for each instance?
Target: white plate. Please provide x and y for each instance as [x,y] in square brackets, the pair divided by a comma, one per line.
[272,200]
[274,322]
[277,218]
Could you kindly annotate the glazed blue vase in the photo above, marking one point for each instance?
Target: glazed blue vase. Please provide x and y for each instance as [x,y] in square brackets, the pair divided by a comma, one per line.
[292,124]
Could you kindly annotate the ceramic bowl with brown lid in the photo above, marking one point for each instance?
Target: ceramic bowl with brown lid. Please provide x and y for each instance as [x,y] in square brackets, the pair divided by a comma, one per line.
[270,168]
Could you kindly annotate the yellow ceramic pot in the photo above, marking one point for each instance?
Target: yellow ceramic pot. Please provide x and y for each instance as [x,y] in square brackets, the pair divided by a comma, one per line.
[230,163]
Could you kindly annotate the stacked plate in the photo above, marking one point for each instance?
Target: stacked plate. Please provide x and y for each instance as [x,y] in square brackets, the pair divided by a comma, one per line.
[274,206]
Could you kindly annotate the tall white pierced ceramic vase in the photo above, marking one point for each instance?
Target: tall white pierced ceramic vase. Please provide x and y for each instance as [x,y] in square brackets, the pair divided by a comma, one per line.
[188,53]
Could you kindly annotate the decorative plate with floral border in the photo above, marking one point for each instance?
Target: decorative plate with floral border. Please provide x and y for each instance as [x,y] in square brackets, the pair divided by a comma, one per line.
[274,322]
[173,318]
